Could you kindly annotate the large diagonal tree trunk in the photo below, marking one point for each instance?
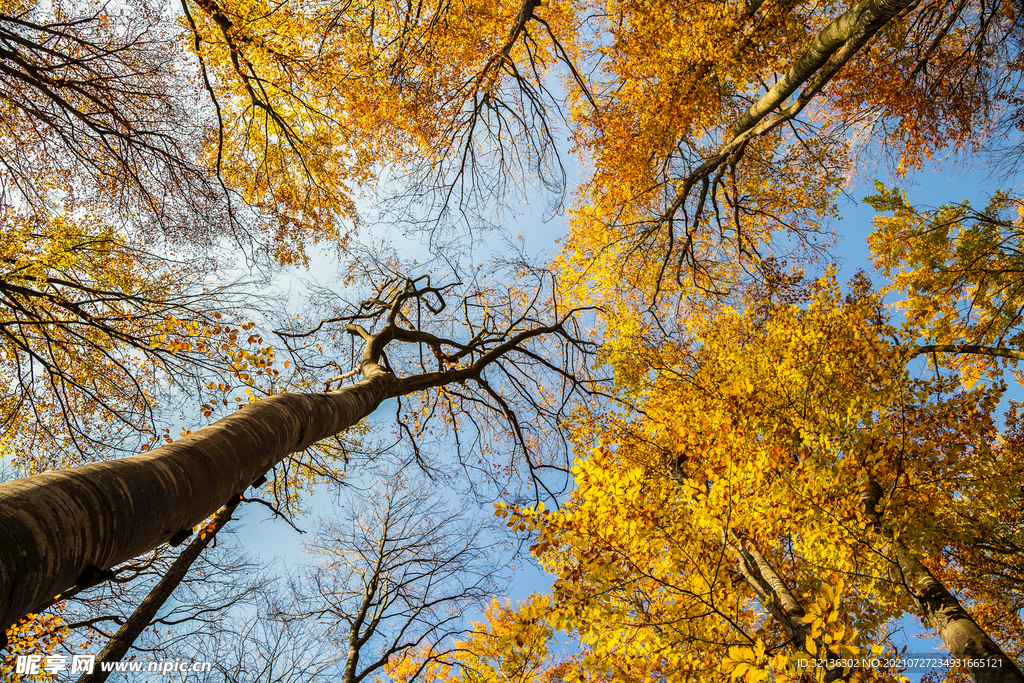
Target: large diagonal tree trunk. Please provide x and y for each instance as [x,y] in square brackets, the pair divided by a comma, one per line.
[62,528]
[70,527]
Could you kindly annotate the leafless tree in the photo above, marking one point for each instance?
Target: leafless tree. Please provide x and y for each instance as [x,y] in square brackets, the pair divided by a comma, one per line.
[251,648]
[503,426]
[399,569]
[151,607]
[145,615]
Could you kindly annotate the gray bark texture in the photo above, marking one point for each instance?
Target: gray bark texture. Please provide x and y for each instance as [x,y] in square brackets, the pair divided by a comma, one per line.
[771,591]
[840,40]
[778,600]
[829,52]
[61,528]
[948,618]
[941,610]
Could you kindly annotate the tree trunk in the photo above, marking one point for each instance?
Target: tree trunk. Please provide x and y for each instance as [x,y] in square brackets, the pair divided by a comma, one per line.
[961,634]
[973,349]
[942,611]
[849,30]
[62,528]
[778,600]
[772,592]
[117,647]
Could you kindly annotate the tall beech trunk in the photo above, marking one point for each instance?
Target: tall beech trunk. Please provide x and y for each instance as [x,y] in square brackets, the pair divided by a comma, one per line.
[778,600]
[942,611]
[772,592]
[65,527]
[117,647]
[70,527]
[827,53]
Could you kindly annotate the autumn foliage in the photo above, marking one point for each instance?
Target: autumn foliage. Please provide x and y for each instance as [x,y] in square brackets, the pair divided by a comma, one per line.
[780,467]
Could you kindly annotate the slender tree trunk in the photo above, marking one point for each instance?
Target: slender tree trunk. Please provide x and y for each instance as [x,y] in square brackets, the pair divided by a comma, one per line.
[59,529]
[772,592]
[117,647]
[357,640]
[65,527]
[779,601]
[942,611]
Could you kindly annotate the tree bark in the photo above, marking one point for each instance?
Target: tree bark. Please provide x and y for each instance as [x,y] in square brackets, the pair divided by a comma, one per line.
[838,41]
[779,601]
[117,647]
[64,527]
[942,611]
[830,50]
[771,591]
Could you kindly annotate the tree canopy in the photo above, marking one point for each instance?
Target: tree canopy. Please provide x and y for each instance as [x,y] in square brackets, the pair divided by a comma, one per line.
[732,459]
